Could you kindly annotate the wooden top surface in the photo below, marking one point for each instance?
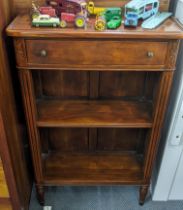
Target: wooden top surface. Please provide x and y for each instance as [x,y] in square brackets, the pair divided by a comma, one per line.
[21,27]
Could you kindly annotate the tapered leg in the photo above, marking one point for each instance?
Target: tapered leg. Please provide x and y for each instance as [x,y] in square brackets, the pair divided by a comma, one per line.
[142,194]
[40,194]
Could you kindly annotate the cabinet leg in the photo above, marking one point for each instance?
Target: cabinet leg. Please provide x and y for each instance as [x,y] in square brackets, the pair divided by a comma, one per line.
[40,194]
[142,194]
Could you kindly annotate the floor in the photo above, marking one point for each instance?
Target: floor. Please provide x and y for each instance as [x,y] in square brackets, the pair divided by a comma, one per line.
[99,198]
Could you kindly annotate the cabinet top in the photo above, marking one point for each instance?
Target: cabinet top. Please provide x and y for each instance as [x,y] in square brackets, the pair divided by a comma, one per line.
[21,27]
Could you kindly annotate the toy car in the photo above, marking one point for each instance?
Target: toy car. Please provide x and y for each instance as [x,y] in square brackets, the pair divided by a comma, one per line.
[114,23]
[45,20]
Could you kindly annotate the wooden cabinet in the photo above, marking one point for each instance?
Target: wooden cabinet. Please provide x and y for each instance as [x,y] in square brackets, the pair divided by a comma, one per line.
[94,101]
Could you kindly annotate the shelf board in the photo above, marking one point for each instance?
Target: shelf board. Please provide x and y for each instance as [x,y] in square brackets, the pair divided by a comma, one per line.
[122,114]
[91,169]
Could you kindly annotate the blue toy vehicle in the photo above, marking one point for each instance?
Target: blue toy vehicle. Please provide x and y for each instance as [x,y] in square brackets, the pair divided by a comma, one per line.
[131,19]
[140,9]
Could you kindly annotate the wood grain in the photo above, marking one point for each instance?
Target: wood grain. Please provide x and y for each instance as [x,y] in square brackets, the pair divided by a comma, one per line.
[21,27]
[94,85]
[160,109]
[21,56]
[92,169]
[93,114]
[113,52]
[63,87]
[26,83]
[66,139]
[116,139]
[173,49]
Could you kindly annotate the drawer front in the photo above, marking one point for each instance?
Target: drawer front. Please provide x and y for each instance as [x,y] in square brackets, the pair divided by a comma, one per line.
[95,52]
[3,187]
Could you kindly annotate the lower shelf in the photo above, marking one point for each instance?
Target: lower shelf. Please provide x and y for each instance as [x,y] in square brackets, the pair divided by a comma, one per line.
[91,169]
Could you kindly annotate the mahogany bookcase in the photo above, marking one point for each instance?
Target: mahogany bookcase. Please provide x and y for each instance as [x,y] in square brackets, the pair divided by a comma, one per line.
[94,101]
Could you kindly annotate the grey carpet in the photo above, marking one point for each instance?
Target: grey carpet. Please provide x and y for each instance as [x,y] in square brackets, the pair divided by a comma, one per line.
[99,198]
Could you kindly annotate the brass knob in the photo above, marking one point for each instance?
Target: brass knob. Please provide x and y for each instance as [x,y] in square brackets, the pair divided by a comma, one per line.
[150,54]
[43,53]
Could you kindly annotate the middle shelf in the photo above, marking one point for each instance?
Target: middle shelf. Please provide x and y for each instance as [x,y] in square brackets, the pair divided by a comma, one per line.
[89,113]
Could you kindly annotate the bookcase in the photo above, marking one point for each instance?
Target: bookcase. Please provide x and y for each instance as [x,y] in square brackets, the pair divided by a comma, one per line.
[94,101]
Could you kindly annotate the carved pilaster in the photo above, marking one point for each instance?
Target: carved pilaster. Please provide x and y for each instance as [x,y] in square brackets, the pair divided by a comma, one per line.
[30,111]
[160,108]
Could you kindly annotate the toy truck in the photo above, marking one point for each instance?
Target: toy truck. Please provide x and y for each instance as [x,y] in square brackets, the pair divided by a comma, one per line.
[140,9]
[92,10]
[110,19]
[70,11]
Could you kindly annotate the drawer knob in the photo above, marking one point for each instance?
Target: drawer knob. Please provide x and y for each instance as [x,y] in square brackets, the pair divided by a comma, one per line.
[150,54]
[43,53]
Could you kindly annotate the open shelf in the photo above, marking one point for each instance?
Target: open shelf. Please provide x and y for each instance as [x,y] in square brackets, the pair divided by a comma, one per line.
[92,168]
[57,113]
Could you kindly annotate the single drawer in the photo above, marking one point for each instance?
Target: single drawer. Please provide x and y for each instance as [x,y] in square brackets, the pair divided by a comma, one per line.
[95,52]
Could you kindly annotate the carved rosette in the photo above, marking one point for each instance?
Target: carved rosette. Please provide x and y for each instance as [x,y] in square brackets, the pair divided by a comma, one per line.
[172,54]
[20,52]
